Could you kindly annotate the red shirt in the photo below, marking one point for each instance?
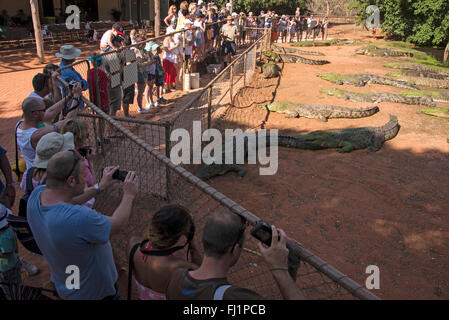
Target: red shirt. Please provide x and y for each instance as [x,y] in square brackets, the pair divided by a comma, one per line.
[103,85]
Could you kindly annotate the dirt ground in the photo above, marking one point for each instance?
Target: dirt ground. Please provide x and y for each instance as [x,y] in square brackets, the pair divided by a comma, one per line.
[387,208]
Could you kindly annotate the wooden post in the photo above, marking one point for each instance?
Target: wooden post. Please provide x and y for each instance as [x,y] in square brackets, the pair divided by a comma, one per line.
[37,30]
[209,107]
[446,54]
[232,85]
[157,18]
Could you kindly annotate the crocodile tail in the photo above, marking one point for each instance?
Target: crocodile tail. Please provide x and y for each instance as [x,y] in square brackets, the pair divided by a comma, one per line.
[391,129]
[366,112]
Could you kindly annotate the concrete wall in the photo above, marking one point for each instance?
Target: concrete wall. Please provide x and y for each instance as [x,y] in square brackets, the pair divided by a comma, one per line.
[13,6]
[104,9]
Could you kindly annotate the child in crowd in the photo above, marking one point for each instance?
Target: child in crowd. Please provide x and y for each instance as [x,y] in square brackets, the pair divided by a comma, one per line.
[155,75]
[188,46]
[292,28]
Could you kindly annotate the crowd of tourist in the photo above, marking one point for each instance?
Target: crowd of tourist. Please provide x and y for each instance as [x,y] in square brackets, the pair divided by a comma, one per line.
[56,215]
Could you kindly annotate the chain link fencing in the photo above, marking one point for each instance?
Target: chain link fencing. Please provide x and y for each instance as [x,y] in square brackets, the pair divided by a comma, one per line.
[144,147]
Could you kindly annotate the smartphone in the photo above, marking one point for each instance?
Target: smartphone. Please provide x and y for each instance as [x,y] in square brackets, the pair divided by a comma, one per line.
[120,175]
[262,232]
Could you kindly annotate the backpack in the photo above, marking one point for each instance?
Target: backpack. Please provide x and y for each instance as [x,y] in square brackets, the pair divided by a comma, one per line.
[20,223]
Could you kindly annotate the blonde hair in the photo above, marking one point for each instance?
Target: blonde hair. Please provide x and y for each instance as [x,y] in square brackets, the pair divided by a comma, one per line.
[79,129]
[184,5]
[170,9]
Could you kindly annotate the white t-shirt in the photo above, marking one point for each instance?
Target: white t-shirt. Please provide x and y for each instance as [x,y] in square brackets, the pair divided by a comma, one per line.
[171,56]
[24,144]
[189,38]
[105,38]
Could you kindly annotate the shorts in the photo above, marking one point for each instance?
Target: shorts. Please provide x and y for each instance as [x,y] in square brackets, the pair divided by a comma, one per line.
[158,81]
[142,77]
[115,98]
[229,48]
[187,58]
[128,94]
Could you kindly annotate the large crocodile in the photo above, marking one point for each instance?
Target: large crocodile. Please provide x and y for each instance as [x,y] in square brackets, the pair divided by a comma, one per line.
[375,51]
[319,111]
[380,97]
[271,70]
[437,96]
[291,58]
[345,140]
[295,50]
[416,67]
[414,77]
[361,80]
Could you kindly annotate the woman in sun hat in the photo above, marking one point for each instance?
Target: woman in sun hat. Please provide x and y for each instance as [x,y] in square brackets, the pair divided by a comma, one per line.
[48,145]
[68,55]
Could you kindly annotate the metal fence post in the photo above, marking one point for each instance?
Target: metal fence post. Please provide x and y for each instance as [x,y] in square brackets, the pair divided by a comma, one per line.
[245,57]
[231,93]
[183,59]
[209,107]
[168,127]
[98,96]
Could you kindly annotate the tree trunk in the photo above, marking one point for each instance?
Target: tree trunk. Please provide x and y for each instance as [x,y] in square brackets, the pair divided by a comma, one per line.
[157,18]
[327,8]
[37,30]
[446,54]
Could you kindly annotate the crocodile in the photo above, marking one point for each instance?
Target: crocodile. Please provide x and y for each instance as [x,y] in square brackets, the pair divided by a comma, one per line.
[424,74]
[344,140]
[295,50]
[436,96]
[421,81]
[319,111]
[290,58]
[375,51]
[361,80]
[380,97]
[271,70]
[416,67]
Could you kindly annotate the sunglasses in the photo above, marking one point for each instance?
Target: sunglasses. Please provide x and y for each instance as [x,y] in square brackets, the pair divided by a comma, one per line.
[76,159]
[241,231]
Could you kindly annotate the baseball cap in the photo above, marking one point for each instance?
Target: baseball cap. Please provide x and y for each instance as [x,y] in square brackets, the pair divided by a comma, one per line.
[262,11]
[119,28]
[51,144]
[228,4]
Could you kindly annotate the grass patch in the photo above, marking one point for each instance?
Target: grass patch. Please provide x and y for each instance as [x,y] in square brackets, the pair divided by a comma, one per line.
[437,112]
[334,77]
[311,44]
[270,54]
[416,93]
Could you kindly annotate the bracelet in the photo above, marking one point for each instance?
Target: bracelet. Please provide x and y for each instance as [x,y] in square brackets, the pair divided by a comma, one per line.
[274,269]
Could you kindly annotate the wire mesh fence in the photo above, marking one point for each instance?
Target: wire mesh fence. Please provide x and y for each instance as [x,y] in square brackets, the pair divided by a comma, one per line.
[144,147]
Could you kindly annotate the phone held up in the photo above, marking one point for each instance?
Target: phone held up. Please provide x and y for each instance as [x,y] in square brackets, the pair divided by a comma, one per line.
[118,174]
[262,232]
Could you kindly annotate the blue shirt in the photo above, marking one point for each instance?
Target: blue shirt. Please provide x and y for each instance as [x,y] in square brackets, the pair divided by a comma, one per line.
[70,74]
[74,235]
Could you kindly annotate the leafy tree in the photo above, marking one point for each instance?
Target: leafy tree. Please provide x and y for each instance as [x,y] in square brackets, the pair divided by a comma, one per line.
[424,22]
